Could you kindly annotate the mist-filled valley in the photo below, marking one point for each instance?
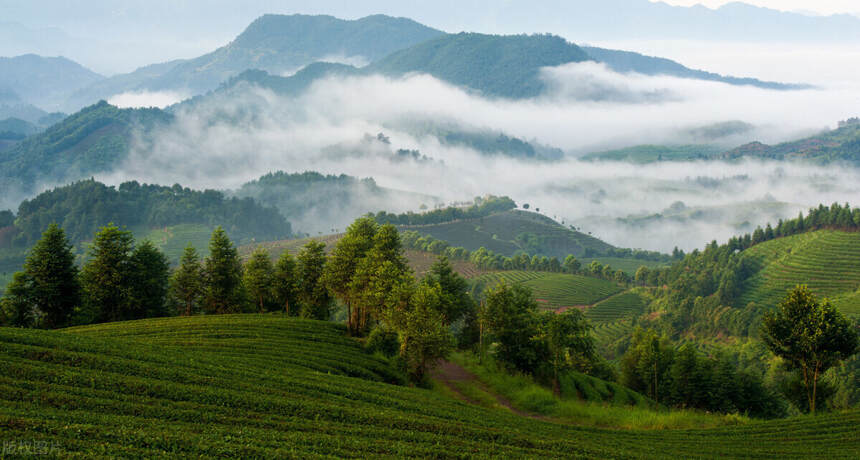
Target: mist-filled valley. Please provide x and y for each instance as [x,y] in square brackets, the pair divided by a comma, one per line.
[471,229]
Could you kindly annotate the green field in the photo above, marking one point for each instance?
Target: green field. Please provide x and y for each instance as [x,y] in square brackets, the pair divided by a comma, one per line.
[554,290]
[624,305]
[265,386]
[173,240]
[827,261]
[499,233]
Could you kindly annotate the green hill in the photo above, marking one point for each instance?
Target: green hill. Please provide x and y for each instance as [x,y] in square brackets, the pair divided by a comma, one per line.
[838,145]
[495,65]
[825,260]
[515,231]
[263,386]
[553,291]
[91,141]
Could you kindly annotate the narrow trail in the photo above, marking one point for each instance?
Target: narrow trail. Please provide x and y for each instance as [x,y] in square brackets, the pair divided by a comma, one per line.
[450,374]
[586,307]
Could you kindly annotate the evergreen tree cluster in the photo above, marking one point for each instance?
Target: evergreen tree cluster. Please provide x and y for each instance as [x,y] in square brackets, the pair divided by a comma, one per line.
[684,378]
[482,207]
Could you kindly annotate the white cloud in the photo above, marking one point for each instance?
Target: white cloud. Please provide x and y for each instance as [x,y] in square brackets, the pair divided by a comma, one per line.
[139,99]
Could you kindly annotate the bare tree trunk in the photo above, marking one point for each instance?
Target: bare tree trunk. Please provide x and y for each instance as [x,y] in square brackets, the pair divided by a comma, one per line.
[814,386]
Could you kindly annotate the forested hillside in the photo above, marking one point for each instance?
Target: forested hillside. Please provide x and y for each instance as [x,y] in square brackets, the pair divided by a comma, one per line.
[494,65]
[91,141]
[833,146]
[82,207]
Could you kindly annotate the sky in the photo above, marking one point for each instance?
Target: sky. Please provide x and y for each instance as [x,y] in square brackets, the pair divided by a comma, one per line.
[823,7]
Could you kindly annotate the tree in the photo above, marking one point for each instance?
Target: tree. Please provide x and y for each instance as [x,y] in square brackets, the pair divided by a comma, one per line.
[105,277]
[571,265]
[149,275]
[222,275]
[16,306]
[456,301]
[424,339]
[343,264]
[645,365]
[54,288]
[259,279]
[811,337]
[313,295]
[286,289]
[186,284]
[510,313]
[568,339]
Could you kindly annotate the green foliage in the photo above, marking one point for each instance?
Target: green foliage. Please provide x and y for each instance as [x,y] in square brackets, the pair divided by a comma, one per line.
[50,268]
[266,386]
[105,276]
[655,153]
[286,280]
[482,207]
[83,206]
[513,324]
[342,266]
[501,66]
[456,301]
[16,306]
[569,342]
[810,336]
[383,340]
[552,290]
[186,283]
[149,275]
[645,366]
[259,280]
[222,285]
[424,338]
[314,297]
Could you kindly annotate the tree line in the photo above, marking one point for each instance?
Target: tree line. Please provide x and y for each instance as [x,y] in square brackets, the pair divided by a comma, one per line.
[482,207]
[81,207]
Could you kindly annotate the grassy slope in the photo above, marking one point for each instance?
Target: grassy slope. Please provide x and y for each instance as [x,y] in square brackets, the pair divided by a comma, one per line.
[498,233]
[263,386]
[554,290]
[827,261]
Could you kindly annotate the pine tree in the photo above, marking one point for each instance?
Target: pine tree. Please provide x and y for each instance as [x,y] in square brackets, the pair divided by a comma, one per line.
[456,301]
[186,284]
[286,283]
[313,295]
[222,275]
[259,279]
[55,288]
[105,277]
[149,277]
[16,306]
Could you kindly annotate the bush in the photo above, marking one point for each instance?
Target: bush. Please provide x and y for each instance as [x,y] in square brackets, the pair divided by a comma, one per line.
[384,341]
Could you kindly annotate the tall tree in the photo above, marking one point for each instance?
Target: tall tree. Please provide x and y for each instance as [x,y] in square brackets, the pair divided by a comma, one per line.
[344,262]
[186,284]
[105,277]
[569,341]
[424,339]
[811,337]
[456,301]
[223,275]
[286,280]
[510,312]
[374,276]
[259,279]
[645,365]
[148,282]
[55,288]
[313,295]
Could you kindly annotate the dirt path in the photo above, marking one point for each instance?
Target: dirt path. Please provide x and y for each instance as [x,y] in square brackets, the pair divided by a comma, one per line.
[448,374]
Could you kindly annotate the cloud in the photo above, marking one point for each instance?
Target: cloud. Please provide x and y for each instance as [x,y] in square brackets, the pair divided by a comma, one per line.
[231,138]
[137,99]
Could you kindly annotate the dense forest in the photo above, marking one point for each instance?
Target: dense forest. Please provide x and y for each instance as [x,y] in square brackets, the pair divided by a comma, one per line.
[84,206]
[482,207]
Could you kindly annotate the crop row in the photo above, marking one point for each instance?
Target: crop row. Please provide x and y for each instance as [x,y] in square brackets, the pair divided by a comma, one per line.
[616,307]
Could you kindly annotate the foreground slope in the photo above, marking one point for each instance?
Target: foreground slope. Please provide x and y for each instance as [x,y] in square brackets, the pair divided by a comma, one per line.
[264,386]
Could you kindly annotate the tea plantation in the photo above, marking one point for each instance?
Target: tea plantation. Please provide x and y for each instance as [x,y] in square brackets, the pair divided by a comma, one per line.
[554,290]
[254,386]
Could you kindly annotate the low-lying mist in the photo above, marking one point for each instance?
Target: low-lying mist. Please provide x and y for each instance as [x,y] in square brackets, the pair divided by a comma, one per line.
[232,137]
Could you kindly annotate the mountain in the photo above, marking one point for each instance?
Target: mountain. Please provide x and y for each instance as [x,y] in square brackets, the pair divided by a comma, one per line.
[277,44]
[44,81]
[628,61]
[838,145]
[86,143]
[117,84]
[493,65]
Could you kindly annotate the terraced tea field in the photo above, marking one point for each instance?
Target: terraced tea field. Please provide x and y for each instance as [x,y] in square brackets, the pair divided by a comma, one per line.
[619,306]
[173,240]
[262,386]
[827,261]
[554,290]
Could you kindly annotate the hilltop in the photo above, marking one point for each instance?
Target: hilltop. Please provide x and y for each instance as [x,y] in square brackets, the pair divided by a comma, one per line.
[300,387]
[44,82]
[838,145]
[278,44]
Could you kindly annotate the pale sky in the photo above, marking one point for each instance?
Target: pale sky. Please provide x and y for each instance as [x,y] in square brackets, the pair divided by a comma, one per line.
[816,6]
